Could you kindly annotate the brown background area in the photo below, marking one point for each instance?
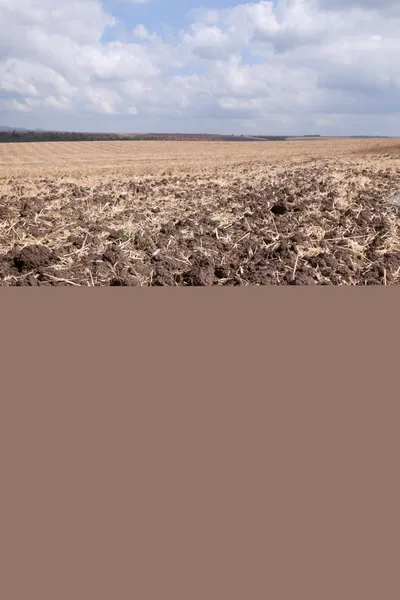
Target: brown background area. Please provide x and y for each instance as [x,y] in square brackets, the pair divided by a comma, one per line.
[199,445]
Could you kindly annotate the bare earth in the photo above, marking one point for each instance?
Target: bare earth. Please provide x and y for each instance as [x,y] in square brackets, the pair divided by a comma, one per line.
[200,213]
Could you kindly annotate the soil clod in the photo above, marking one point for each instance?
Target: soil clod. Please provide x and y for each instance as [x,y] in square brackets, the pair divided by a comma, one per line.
[32,258]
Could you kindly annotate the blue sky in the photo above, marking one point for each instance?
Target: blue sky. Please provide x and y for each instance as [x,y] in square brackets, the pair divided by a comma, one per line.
[175,13]
[229,66]
[163,15]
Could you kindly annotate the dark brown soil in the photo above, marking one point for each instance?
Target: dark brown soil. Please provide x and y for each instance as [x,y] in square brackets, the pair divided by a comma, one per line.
[306,227]
[33,258]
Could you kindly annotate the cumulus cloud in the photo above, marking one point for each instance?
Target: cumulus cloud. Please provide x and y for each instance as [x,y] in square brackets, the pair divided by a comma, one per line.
[281,66]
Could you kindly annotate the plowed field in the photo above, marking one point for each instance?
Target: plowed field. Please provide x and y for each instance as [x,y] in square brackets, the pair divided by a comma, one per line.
[200,213]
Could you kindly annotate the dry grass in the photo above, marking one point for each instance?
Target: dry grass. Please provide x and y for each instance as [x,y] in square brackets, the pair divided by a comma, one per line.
[199,213]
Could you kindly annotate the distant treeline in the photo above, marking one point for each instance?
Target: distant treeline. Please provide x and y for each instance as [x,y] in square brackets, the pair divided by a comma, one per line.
[12,136]
[271,138]
[369,137]
[55,136]
[19,135]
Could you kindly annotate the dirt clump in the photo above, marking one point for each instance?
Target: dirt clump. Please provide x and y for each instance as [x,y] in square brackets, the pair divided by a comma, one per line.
[32,258]
[113,254]
[279,209]
[201,273]
[4,212]
[124,281]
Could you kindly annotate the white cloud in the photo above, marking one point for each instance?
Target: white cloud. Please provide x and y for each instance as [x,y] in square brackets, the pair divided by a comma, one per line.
[294,64]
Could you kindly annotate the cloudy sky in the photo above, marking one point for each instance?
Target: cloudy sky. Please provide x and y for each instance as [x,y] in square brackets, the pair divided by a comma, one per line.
[228,66]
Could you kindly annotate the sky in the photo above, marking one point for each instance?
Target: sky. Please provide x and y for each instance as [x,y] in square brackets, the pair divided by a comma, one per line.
[289,67]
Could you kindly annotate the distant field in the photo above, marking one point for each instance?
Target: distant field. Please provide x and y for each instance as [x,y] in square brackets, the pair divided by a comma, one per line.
[200,213]
[153,156]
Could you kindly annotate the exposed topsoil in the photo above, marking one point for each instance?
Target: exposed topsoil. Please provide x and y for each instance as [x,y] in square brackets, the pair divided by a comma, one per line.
[323,223]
